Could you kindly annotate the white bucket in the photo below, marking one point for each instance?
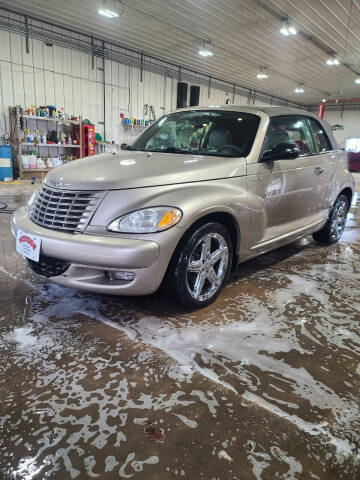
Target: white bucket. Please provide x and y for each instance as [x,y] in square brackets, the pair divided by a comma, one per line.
[32,162]
[25,161]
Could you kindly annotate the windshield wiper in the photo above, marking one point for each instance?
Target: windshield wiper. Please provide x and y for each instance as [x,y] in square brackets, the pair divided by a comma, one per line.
[169,150]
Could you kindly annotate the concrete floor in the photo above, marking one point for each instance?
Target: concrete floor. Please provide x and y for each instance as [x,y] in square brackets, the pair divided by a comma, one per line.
[264,384]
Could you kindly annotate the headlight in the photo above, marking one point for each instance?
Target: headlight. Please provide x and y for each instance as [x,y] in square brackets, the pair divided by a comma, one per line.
[30,202]
[148,220]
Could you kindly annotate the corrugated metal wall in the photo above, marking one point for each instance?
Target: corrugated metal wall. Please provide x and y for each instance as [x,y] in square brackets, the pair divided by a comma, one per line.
[349,118]
[55,75]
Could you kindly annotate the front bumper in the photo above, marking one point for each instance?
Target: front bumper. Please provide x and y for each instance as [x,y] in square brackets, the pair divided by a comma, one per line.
[93,256]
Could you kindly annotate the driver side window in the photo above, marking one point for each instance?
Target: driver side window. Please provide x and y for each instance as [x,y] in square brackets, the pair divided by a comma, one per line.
[292,129]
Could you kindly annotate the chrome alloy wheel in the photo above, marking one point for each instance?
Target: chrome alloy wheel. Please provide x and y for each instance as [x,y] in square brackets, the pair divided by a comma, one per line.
[338,220]
[207,266]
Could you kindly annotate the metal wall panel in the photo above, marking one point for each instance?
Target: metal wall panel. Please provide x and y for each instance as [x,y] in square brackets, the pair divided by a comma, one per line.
[53,74]
[349,118]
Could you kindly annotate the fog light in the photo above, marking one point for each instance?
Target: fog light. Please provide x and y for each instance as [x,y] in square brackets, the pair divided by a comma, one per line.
[125,276]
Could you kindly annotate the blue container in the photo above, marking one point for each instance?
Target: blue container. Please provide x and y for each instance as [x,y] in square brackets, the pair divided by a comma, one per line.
[5,162]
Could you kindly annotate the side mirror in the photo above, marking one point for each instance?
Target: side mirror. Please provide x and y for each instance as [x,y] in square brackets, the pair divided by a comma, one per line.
[282,151]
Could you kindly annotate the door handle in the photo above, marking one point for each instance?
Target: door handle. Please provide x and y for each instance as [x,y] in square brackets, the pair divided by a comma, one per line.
[318,170]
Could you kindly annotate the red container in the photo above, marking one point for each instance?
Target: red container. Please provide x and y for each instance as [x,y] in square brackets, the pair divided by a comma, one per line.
[354,162]
[88,140]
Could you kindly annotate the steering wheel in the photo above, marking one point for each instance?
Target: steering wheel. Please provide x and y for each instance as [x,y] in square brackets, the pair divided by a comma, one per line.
[234,148]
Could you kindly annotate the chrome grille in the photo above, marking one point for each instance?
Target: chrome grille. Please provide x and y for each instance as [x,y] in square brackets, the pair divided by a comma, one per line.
[64,209]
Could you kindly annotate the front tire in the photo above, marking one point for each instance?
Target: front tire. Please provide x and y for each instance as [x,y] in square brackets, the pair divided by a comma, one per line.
[202,266]
[335,225]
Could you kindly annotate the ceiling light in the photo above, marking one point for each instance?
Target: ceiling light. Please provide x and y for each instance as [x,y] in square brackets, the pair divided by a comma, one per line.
[262,73]
[287,29]
[205,53]
[323,100]
[299,89]
[357,80]
[206,50]
[111,9]
[332,60]
[108,13]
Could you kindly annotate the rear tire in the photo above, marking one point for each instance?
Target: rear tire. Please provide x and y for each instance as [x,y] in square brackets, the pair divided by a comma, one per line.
[202,266]
[335,225]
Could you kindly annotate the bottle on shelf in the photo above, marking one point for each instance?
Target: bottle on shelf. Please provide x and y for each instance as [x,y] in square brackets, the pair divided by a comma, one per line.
[38,136]
[28,138]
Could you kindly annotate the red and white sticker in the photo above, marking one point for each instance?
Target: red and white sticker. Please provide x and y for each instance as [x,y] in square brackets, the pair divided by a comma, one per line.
[28,245]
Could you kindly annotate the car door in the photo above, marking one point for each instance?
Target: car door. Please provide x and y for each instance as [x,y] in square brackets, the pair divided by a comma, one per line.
[288,189]
[325,159]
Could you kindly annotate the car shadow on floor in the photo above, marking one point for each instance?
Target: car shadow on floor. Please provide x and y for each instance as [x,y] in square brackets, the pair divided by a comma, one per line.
[162,302]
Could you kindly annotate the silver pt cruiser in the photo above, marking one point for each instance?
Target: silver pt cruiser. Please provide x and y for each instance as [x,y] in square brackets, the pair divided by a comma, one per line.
[198,192]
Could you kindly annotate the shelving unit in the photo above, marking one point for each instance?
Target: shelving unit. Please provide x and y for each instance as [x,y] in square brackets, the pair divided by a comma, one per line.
[48,145]
[76,133]
[134,127]
[49,119]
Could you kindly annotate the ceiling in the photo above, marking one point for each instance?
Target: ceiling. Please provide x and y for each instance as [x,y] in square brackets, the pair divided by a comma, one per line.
[244,33]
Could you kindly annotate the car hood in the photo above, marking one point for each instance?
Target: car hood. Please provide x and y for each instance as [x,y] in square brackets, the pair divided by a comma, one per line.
[131,169]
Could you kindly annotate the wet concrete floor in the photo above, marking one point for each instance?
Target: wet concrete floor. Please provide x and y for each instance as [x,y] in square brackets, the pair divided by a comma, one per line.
[263,384]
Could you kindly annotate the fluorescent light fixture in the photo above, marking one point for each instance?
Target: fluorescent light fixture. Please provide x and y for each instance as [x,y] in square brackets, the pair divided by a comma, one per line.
[284,31]
[206,50]
[262,73]
[323,100]
[299,89]
[357,80]
[108,13]
[332,60]
[287,29]
[111,8]
[205,53]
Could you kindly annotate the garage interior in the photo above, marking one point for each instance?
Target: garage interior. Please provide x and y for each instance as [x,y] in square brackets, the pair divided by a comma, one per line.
[262,384]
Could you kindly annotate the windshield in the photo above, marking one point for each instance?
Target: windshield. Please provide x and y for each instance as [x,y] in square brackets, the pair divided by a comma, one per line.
[220,133]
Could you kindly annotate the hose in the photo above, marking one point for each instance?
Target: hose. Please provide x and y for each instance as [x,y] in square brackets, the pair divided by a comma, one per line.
[4,208]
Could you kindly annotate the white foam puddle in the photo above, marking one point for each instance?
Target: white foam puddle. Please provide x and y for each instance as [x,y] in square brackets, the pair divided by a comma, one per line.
[279,352]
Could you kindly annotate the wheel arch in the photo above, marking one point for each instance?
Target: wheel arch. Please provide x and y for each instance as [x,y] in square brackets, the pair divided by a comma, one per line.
[225,219]
[348,193]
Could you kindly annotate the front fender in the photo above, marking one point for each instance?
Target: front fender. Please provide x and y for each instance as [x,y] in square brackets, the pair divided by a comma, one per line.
[196,200]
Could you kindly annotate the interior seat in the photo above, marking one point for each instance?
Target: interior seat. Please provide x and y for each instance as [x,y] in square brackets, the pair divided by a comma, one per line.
[277,136]
[218,138]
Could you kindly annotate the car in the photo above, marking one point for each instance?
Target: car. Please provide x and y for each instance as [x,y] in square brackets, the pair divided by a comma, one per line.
[200,191]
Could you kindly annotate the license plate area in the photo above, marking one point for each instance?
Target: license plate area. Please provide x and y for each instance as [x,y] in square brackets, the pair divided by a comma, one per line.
[28,245]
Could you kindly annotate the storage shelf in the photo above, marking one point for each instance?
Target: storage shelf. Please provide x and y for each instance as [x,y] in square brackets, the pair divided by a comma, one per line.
[49,145]
[135,127]
[49,119]
[37,169]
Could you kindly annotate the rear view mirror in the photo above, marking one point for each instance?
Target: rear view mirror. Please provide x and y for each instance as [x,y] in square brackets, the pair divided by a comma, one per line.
[282,151]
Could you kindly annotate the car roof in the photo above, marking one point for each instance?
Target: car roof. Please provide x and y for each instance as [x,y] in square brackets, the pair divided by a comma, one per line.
[271,111]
